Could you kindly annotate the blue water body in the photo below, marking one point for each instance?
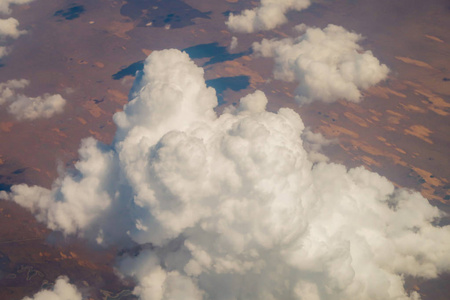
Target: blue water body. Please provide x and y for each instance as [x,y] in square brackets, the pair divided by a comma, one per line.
[226,57]
[129,71]
[221,84]
[70,13]
[5,263]
[227,13]
[175,13]
[19,171]
[213,51]
[5,187]
[205,50]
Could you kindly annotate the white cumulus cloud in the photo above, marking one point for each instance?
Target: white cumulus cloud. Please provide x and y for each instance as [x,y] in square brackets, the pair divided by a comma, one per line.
[232,207]
[29,108]
[62,290]
[328,64]
[269,15]
[9,28]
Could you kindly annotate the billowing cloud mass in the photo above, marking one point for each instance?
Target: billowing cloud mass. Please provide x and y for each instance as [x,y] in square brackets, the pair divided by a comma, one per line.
[270,14]
[231,206]
[328,64]
[29,108]
[62,290]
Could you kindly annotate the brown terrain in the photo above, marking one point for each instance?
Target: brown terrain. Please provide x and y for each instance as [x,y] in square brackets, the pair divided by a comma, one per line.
[400,130]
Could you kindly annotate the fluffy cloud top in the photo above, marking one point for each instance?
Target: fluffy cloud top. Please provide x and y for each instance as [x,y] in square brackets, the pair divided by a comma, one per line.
[232,205]
[328,64]
[29,108]
[62,290]
[268,15]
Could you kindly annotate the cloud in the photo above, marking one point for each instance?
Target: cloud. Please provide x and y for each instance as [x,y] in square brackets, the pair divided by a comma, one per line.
[8,28]
[7,89]
[4,51]
[5,5]
[231,206]
[29,108]
[62,290]
[270,14]
[313,143]
[328,64]
[233,43]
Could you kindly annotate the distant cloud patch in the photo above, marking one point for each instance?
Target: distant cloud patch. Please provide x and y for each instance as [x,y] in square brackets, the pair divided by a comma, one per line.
[4,51]
[269,15]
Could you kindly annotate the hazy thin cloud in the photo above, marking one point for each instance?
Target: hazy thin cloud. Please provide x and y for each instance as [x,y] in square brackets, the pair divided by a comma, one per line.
[4,51]
[5,5]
